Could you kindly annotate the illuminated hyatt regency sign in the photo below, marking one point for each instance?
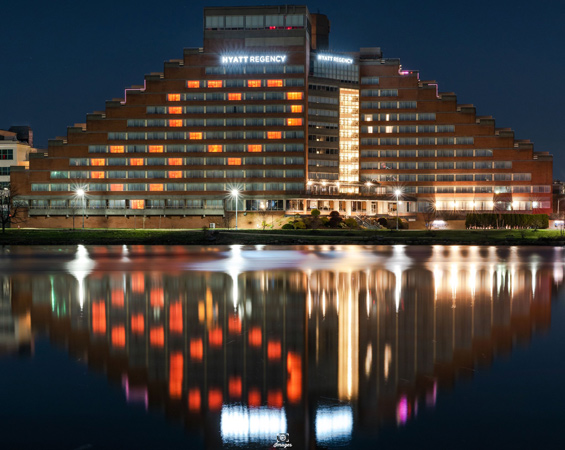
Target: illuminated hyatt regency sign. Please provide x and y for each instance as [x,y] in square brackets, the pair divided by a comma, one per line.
[253,59]
[335,59]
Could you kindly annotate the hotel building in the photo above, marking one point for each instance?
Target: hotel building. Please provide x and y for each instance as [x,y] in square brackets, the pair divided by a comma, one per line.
[267,109]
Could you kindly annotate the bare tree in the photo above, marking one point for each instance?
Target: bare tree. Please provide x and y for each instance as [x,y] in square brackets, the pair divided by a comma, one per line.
[430,213]
[11,209]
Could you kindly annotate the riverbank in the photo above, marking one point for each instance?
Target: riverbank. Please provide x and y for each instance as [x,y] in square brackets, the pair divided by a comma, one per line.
[279,237]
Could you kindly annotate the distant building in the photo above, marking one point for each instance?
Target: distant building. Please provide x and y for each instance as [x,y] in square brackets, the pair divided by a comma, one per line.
[14,151]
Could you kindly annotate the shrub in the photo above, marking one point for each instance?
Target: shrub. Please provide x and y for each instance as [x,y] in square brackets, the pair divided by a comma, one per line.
[493,220]
[335,219]
[351,223]
[287,226]
[383,222]
[299,225]
[315,212]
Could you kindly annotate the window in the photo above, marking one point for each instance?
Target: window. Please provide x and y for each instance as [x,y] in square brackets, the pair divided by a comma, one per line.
[116,148]
[155,149]
[155,187]
[175,109]
[196,135]
[274,134]
[215,148]
[97,174]
[116,187]
[253,83]
[97,162]
[175,123]
[173,97]
[234,96]
[193,84]
[254,148]
[137,204]
[293,122]
[296,108]
[294,95]
[175,174]
[175,161]
[274,83]
[234,161]
[215,84]
[136,162]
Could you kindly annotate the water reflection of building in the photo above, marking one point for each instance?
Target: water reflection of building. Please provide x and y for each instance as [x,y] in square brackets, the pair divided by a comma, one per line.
[15,329]
[315,353]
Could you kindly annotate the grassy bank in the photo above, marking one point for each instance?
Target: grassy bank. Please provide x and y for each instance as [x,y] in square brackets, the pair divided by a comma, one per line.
[278,237]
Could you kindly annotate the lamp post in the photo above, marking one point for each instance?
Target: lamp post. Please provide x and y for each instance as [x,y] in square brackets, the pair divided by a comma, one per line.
[235,194]
[397,193]
[80,193]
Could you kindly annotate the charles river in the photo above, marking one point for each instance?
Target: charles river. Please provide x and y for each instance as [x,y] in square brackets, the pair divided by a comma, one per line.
[376,347]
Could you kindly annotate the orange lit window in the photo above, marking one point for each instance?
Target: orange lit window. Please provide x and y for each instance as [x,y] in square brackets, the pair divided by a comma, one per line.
[175,109]
[274,350]
[194,400]
[294,95]
[197,135]
[97,174]
[215,148]
[275,398]
[254,397]
[234,96]
[155,149]
[116,187]
[234,387]
[157,337]
[157,297]
[138,283]
[294,122]
[175,317]
[137,204]
[173,97]
[296,108]
[294,380]
[175,161]
[234,325]
[137,324]
[118,298]
[254,148]
[136,162]
[175,123]
[215,337]
[214,399]
[193,84]
[255,337]
[155,187]
[196,349]
[274,83]
[234,161]
[97,162]
[116,148]
[118,336]
[175,374]
[175,174]
[253,83]
[274,134]
[99,317]
[215,84]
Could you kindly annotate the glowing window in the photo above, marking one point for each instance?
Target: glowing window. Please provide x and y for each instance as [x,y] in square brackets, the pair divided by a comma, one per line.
[137,324]
[173,97]
[274,83]
[99,317]
[97,162]
[215,337]
[116,148]
[194,400]
[155,149]
[234,161]
[116,187]
[157,297]
[296,108]
[254,148]
[235,387]
[155,187]
[253,83]
[176,371]
[215,148]
[175,317]
[234,96]
[157,336]
[274,350]
[274,134]
[97,175]
[196,135]
[136,162]
[255,337]
[196,349]
[175,109]
[215,84]
[175,161]
[118,336]
[294,95]
[175,123]
[193,84]
[137,204]
[175,174]
[294,122]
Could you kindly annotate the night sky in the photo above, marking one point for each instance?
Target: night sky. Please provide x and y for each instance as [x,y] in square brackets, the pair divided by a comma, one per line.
[63,59]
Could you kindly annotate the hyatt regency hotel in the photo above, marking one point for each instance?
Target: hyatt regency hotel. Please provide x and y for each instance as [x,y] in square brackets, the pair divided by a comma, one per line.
[268,112]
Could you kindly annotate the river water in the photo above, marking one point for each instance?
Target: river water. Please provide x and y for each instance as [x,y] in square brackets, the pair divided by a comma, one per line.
[158,347]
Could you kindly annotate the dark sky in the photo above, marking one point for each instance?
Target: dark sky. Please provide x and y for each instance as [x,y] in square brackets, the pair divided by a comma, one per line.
[62,59]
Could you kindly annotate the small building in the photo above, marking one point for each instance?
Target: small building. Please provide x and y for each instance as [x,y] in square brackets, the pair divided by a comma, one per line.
[14,151]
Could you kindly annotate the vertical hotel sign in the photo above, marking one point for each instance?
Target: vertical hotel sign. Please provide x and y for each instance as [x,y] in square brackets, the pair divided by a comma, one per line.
[253,59]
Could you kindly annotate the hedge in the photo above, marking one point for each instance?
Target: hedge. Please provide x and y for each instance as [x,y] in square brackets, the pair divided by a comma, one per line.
[490,220]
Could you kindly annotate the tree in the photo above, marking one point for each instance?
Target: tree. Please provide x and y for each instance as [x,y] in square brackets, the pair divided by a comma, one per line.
[11,209]
[429,213]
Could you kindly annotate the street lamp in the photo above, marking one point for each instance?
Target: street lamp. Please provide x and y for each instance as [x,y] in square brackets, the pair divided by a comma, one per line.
[397,193]
[81,193]
[235,194]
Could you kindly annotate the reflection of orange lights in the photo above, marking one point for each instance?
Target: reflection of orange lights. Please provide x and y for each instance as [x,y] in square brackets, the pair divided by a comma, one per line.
[294,382]
[274,350]
[214,399]
[254,397]
[137,324]
[194,399]
[175,317]
[234,386]
[234,325]
[215,337]
[157,297]
[196,349]
[138,282]
[255,337]
[157,336]
[99,317]
[275,398]
[175,375]
[118,298]
[118,336]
